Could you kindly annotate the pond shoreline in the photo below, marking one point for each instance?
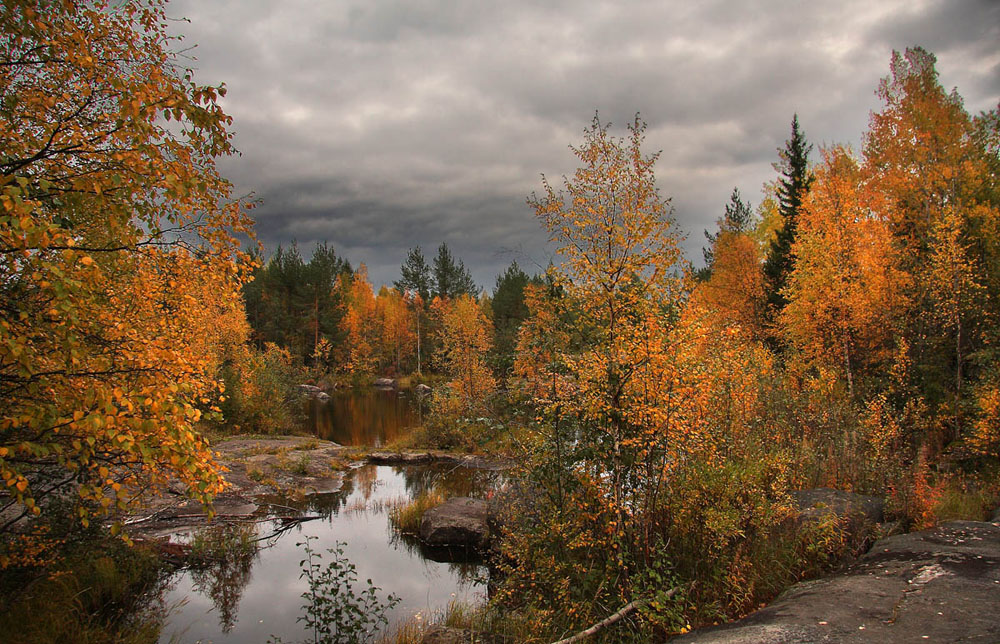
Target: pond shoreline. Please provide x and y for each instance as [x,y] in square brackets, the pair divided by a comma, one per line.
[307,486]
[288,465]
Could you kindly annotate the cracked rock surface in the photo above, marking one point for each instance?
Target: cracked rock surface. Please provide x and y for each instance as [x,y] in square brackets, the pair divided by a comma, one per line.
[938,585]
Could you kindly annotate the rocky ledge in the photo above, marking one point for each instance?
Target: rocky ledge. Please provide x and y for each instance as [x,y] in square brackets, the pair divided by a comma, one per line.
[938,585]
[416,457]
[286,466]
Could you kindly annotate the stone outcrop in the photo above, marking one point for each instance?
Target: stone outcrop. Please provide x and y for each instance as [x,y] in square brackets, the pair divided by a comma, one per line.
[817,502]
[460,521]
[860,515]
[446,635]
[385,383]
[939,585]
[414,457]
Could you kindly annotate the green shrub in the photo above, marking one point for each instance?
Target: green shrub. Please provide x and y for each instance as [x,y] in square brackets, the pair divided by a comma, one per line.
[334,612]
[261,394]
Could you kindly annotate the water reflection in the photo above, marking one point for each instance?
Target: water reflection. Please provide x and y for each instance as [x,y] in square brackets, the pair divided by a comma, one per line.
[226,569]
[214,610]
[372,417]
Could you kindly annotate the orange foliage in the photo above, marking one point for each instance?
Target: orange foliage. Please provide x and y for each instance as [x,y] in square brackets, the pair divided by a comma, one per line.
[361,325]
[985,435]
[540,371]
[734,294]
[397,320]
[117,255]
[846,289]
[465,338]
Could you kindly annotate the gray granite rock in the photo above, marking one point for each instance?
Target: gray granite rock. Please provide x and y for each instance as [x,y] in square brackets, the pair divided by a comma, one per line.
[939,585]
[459,521]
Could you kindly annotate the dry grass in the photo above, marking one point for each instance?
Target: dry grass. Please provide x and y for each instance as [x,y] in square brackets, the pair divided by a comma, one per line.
[406,517]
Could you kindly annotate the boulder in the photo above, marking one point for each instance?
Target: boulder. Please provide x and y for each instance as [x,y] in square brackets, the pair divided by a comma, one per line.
[460,521]
[322,396]
[821,501]
[938,585]
[447,635]
[861,514]
[385,383]
[422,390]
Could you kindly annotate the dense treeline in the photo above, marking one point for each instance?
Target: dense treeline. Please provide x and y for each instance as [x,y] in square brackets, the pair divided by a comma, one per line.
[328,316]
[844,335]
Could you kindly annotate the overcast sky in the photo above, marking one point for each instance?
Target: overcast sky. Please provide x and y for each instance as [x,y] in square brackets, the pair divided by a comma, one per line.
[378,126]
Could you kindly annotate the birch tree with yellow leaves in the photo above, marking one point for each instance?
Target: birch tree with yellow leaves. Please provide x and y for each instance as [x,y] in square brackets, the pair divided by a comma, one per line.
[620,257]
[118,257]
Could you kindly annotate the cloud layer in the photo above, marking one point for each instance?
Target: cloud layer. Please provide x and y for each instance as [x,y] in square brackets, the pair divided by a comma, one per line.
[382,125]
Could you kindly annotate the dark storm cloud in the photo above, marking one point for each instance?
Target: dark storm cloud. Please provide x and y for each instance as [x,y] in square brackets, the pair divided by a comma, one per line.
[382,125]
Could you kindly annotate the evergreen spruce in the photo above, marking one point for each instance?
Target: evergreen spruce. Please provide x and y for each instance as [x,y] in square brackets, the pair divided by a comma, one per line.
[451,278]
[792,188]
[415,274]
[736,219]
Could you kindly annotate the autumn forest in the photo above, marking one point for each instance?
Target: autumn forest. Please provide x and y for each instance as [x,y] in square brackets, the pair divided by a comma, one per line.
[655,412]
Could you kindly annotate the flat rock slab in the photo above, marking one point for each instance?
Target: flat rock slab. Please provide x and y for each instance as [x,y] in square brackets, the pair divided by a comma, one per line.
[939,585]
[410,457]
[242,446]
[257,467]
[460,521]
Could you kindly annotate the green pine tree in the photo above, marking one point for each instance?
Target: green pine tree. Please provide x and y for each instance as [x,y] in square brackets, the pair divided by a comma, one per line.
[737,218]
[451,278]
[509,311]
[415,274]
[792,188]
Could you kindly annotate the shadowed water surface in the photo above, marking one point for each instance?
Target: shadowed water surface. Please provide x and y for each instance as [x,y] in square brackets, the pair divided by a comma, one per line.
[368,416]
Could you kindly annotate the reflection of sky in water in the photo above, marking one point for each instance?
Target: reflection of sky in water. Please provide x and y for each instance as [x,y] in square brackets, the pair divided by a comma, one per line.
[271,602]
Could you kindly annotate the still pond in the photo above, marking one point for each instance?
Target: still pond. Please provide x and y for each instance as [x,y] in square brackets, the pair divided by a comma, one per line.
[261,597]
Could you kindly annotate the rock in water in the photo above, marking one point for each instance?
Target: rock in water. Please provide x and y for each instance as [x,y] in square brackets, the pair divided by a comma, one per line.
[456,522]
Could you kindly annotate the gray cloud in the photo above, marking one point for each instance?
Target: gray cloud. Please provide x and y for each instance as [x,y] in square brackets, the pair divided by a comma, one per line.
[382,125]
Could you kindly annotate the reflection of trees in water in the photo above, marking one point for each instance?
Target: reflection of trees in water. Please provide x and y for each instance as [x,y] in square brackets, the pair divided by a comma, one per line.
[224,568]
[466,564]
[452,480]
[363,417]
[365,479]
[223,560]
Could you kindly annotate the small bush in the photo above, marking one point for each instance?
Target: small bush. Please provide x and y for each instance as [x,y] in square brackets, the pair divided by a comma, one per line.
[333,611]
[261,394]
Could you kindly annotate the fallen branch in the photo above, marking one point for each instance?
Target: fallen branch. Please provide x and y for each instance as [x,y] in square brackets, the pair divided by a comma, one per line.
[611,619]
